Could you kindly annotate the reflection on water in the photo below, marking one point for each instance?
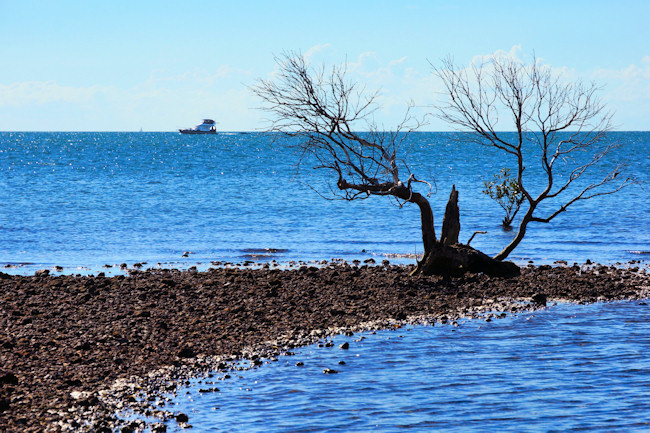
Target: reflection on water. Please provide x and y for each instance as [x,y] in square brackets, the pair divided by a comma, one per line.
[568,368]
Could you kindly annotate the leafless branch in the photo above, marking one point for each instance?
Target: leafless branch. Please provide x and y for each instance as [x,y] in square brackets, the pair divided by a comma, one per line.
[325,112]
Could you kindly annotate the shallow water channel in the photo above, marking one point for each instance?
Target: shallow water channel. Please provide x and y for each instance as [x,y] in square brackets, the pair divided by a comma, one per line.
[566,368]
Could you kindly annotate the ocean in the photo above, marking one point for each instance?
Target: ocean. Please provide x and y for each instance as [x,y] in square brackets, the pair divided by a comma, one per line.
[88,202]
[84,203]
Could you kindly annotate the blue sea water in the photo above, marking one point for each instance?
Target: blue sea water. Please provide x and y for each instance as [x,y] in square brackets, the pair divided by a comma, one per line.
[82,200]
[566,368]
[85,200]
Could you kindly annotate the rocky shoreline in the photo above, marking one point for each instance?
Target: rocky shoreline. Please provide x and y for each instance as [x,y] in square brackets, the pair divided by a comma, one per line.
[77,349]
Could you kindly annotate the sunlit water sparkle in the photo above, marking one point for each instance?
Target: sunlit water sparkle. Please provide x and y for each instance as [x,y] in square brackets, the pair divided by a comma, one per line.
[83,200]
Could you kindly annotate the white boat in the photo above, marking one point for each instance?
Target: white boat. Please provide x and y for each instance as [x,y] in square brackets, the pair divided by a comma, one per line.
[207,127]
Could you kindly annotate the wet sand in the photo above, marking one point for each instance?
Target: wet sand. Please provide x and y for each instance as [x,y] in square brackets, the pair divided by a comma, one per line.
[75,349]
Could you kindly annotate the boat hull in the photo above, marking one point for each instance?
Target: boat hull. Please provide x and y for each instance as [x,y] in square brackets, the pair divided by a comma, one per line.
[192,131]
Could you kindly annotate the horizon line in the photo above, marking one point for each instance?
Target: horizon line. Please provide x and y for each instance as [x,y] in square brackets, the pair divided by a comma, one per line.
[273,132]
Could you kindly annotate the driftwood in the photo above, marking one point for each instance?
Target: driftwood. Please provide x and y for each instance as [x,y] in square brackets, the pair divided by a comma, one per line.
[458,259]
[449,257]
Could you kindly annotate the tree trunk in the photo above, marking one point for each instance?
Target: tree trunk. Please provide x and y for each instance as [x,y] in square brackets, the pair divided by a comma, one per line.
[426,218]
[518,237]
[451,220]
[426,215]
[449,257]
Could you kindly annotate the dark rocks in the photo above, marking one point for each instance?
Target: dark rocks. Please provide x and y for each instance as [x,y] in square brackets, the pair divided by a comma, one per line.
[181,417]
[4,404]
[158,428]
[86,345]
[186,352]
[42,273]
[86,402]
[539,299]
[345,346]
[208,390]
[8,378]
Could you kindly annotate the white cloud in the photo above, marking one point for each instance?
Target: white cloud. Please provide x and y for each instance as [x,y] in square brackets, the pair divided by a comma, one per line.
[370,70]
[397,62]
[515,53]
[632,71]
[314,51]
[45,92]
[627,92]
[162,102]
[166,100]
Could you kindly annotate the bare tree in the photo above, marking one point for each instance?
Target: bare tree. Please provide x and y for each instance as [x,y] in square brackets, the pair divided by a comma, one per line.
[555,124]
[326,111]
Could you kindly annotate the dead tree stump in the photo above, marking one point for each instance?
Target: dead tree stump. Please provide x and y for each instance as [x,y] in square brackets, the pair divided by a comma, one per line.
[449,257]
[451,220]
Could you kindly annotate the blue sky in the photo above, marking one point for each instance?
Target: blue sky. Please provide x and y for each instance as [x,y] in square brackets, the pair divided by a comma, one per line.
[162,65]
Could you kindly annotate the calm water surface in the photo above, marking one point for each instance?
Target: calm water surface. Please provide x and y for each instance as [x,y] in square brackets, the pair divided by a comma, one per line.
[567,368]
[84,200]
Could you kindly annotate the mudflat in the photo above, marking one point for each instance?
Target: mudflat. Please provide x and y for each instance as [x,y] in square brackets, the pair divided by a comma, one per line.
[75,349]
